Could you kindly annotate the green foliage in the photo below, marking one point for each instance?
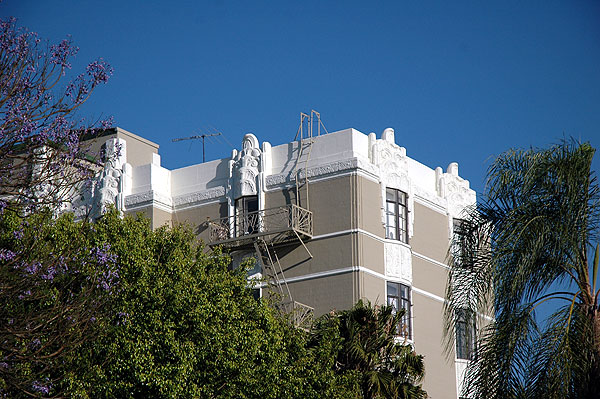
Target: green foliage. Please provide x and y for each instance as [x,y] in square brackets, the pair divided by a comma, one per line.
[132,312]
[366,352]
[534,231]
[184,325]
[54,283]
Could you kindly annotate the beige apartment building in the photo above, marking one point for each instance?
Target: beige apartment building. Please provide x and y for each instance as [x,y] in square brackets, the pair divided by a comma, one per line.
[331,218]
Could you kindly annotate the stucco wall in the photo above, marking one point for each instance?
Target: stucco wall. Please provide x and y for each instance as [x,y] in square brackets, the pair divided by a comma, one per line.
[440,380]
[372,288]
[429,276]
[430,233]
[326,294]
[197,217]
[139,150]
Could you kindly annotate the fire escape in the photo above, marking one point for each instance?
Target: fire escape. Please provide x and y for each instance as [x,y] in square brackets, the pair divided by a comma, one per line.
[262,231]
[265,230]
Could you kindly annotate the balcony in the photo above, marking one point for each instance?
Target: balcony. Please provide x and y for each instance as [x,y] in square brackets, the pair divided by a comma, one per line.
[274,225]
[299,314]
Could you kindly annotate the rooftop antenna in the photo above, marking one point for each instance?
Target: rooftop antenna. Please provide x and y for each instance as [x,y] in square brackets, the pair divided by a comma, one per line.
[201,136]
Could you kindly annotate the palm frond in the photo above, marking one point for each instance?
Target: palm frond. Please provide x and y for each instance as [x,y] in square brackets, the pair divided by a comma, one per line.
[532,232]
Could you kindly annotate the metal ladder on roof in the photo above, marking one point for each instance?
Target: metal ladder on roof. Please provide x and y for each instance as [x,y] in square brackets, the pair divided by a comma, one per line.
[305,137]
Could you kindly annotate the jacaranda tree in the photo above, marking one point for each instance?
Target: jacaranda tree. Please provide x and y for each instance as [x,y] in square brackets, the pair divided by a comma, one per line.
[40,134]
[530,242]
[55,284]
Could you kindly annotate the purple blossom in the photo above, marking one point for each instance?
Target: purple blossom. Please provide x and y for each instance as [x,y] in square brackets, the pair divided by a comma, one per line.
[24,295]
[18,234]
[62,264]
[35,344]
[99,71]
[32,116]
[3,365]
[7,254]
[33,267]
[107,123]
[61,52]
[41,388]
[103,255]
[50,273]
[108,279]
[122,318]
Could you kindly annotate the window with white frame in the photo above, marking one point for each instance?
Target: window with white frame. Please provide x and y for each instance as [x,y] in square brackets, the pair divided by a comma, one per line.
[396,215]
[465,335]
[398,296]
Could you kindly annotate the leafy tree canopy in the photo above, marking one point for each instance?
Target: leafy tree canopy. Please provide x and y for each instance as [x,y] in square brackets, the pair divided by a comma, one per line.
[115,309]
[55,283]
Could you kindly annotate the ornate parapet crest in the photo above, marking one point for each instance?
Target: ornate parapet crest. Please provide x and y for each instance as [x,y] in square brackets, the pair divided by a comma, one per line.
[247,171]
[455,190]
[114,181]
[391,163]
[245,167]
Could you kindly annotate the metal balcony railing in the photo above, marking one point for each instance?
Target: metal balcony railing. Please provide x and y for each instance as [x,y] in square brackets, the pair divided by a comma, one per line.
[279,224]
[299,314]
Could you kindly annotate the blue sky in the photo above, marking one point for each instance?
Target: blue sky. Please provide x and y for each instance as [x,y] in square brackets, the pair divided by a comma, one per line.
[458,81]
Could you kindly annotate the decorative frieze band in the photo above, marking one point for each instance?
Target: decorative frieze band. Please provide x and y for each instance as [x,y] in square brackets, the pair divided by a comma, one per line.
[147,198]
[199,197]
[181,201]
[322,171]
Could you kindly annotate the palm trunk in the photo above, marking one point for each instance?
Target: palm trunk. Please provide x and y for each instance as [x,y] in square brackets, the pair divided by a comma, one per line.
[594,378]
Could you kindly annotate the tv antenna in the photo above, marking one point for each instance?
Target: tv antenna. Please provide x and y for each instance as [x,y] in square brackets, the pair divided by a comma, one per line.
[201,136]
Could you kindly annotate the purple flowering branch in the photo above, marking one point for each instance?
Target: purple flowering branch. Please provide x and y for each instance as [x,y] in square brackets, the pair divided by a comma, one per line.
[55,281]
[41,147]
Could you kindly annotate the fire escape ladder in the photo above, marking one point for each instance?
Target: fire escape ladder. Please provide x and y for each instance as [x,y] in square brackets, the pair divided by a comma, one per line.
[299,314]
[270,269]
[304,152]
[301,171]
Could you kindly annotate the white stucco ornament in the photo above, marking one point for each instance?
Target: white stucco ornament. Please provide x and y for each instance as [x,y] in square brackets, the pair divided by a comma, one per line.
[398,261]
[455,190]
[392,164]
[246,167]
[110,183]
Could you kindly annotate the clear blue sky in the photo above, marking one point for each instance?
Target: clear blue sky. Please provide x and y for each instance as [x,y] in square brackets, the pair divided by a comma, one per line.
[458,81]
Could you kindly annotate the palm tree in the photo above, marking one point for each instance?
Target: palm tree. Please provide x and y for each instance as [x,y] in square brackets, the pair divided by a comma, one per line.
[526,244]
[370,347]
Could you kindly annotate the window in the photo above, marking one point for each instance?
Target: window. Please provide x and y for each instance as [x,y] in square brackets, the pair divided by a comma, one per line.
[465,336]
[396,215]
[398,296]
[247,217]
